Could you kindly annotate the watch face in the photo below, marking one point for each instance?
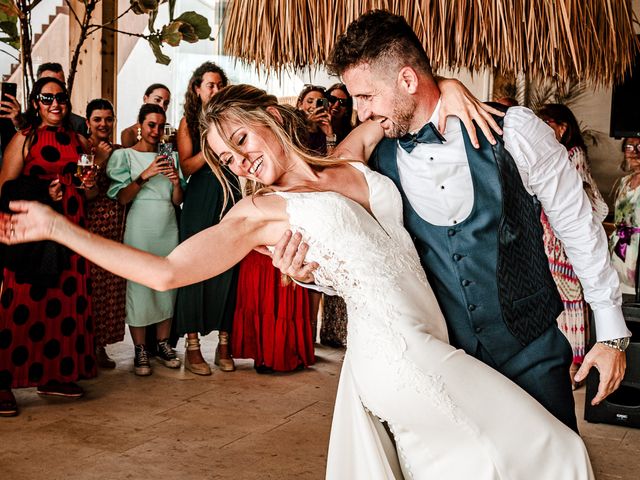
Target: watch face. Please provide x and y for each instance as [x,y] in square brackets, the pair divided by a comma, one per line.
[624,343]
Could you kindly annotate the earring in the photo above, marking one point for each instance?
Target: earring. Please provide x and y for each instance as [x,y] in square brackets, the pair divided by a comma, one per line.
[139,135]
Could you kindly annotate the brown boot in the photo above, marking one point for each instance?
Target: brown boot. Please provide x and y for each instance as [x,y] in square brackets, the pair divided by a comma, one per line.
[103,359]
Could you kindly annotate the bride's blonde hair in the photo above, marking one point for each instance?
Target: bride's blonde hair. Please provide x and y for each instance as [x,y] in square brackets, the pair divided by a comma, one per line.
[247,105]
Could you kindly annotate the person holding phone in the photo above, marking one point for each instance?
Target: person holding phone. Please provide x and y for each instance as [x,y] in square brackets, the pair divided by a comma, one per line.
[313,102]
[11,120]
[46,320]
[152,186]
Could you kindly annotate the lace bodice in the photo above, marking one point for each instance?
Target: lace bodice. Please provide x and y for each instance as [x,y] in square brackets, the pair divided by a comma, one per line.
[364,258]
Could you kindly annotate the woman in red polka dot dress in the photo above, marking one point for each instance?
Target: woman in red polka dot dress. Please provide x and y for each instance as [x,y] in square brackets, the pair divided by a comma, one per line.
[46,331]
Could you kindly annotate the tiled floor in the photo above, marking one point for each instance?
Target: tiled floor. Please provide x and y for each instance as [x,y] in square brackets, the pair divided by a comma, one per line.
[237,425]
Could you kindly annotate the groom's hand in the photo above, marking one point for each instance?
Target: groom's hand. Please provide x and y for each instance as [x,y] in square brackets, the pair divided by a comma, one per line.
[288,257]
[611,364]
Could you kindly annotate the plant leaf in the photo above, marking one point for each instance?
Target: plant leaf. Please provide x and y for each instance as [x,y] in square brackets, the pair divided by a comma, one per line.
[188,33]
[171,33]
[161,58]
[199,23]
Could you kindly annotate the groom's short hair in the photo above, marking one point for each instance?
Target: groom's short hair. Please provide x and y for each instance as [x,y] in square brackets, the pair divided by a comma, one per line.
[380,39]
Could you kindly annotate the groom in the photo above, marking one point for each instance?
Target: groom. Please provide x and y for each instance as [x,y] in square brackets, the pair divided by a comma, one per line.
[473,214]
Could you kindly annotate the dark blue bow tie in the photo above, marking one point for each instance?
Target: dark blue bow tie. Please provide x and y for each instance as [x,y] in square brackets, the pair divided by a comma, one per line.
[427,134]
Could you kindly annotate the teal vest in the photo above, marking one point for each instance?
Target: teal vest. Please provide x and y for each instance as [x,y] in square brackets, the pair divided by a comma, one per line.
[489,272]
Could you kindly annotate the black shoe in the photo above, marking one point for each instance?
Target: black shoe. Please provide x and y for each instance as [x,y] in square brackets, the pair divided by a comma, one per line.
[167,355]
[8,405]
[263,369]
[57,389]
[141,363]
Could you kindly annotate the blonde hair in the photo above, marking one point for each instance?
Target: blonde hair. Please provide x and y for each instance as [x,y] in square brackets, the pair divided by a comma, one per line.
[247,105]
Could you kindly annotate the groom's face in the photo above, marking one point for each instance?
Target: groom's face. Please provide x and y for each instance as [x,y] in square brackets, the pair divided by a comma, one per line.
[379,97]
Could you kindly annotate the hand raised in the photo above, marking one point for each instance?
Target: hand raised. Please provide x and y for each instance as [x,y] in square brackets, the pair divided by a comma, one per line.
[457,100]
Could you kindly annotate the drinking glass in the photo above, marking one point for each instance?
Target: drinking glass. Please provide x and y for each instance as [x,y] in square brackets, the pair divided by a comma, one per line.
[85,166]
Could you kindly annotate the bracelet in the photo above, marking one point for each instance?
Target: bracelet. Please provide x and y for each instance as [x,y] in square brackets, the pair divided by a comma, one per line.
[141,181]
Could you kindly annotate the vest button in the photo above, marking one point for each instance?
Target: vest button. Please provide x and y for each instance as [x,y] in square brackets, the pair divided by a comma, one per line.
[451,232]
[456,257]
[478,329]
[471,307]
[465,283]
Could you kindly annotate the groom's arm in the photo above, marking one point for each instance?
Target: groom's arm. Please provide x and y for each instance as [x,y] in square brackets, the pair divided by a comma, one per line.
[547,173]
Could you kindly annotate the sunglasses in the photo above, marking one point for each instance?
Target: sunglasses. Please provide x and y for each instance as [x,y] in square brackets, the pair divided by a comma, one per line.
[48,98]
[631,148]
[341,101]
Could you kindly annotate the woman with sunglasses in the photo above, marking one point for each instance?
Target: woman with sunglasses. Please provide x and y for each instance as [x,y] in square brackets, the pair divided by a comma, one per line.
[105,217]
[46,324]
[573,321]
[625,240]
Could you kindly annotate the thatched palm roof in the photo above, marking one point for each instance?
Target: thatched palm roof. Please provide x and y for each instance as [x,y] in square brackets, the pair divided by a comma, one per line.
[591,40]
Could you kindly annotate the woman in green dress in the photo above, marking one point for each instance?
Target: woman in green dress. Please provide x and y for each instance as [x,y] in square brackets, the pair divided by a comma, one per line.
[151,183]
[209,305]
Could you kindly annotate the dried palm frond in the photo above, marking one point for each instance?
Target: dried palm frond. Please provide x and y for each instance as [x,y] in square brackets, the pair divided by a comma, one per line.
[590,40]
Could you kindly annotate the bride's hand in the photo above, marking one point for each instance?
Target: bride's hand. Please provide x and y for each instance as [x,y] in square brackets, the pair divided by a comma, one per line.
[457,100]
[29,222]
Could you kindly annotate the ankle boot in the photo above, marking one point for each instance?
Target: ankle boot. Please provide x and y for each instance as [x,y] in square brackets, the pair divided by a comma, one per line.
[226,364]
[193,344]
[103,359]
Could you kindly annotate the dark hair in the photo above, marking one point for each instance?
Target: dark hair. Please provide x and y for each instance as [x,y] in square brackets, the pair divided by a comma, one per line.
[308,89]
[345,122]
[98,104]
[562,115]
[49,66]
[149,108]
[156,86]
[32,116]
[378,38]
[192,101]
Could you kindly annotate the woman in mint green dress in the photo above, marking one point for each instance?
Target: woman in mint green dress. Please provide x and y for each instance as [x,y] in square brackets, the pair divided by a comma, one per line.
[152,185]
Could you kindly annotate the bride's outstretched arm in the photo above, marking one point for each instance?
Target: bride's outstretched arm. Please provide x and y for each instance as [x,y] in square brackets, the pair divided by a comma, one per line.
[202,256]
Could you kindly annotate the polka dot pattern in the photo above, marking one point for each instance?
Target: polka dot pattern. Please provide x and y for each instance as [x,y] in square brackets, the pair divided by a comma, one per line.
[47,333]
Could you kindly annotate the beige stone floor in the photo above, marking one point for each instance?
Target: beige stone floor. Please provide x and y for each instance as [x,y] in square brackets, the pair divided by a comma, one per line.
[241,425]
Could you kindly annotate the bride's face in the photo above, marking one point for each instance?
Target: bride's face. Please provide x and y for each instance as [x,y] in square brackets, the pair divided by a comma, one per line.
[261,156]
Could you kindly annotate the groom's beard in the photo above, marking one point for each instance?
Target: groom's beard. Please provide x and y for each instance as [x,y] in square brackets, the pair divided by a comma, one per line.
[403,112]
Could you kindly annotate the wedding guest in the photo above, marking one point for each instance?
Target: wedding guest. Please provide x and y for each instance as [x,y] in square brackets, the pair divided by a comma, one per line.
[321,138]
[105,217]
[625,240]
[46,324]
[152,185]
[206,306]
[573,321]
[157,94]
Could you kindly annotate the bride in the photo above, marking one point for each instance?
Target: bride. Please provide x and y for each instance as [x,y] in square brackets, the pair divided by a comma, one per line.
[408,405]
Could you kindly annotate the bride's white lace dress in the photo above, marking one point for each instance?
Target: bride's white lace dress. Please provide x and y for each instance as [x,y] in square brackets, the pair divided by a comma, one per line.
[452,417]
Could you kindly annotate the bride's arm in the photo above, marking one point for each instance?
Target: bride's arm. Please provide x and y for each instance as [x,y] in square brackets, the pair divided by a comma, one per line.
[206,254]
[360,142]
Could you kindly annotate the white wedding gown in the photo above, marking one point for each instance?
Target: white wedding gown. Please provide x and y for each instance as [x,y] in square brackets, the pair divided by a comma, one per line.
[452,417]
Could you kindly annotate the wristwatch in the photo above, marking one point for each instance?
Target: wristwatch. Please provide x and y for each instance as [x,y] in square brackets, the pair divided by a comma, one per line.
[141,181]
[620,344]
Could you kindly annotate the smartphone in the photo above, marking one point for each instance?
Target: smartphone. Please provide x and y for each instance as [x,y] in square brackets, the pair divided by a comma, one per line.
[322,103]
[10,88]
[166,150]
